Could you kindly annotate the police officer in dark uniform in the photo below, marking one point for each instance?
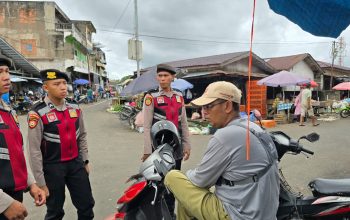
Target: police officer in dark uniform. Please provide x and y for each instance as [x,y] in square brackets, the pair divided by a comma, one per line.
[58,149]
[166,103]
[14,175]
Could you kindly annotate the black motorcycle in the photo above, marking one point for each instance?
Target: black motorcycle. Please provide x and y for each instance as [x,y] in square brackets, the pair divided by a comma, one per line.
[128,113]
[144,200]
[330,198]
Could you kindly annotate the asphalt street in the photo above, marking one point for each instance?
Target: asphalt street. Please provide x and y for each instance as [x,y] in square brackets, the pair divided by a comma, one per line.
[115,153]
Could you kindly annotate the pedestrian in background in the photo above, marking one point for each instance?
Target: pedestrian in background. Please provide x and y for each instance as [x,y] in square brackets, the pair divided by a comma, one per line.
[58,149]
[165,103]
[306,107]
[15,176]
[89,94]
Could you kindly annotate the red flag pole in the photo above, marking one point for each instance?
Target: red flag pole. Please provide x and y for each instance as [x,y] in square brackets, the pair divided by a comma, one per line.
[248,89]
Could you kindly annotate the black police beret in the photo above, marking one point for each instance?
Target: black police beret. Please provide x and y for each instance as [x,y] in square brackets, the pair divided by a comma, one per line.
[167,68]
[4,61]
[51,74]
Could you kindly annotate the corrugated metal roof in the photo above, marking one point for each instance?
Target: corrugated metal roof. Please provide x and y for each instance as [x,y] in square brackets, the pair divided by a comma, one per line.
[285,63]
[220,72]
[329,65]
[205,61]
[18,59]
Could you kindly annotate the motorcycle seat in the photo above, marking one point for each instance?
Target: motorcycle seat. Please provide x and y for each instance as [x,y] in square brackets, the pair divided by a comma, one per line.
[330,187]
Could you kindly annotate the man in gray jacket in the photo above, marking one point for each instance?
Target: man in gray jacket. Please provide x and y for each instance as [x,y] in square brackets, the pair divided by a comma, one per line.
[244,188]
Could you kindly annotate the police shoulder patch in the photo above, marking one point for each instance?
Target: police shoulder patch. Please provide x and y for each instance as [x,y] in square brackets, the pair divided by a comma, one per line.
[33,119]
[148,100]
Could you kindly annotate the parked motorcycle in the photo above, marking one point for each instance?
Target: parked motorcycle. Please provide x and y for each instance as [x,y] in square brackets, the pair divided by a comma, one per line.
[330,198]
[22,107]
[345,112]
[144,200]
[128,113]
[81,99]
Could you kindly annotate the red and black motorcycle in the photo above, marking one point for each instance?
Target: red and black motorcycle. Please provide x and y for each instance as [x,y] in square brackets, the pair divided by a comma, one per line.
[144,200]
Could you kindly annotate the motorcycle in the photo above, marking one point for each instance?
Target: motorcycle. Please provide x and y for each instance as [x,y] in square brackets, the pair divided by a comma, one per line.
[128,113]
[81,99]
[345,112]
[330,199]
[144,199]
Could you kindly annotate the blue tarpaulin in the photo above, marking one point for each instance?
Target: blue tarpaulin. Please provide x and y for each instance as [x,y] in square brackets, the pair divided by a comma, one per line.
[326,18]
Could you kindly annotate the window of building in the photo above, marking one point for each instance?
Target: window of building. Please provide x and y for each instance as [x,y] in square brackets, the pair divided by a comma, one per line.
[28,47]
[27,15]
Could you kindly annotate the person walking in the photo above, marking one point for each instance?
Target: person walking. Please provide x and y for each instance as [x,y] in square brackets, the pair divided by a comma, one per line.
[15,175]
[58,149]
[306,107]
[166,103]
[244,189]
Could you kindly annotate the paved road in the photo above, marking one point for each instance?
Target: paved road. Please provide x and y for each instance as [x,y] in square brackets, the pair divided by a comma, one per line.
[115,152]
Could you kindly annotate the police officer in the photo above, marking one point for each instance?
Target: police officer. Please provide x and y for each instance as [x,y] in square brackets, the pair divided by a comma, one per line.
[166,103]
[13,170]
[58,148]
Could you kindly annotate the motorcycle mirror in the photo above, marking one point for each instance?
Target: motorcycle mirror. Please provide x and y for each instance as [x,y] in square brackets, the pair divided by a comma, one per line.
[312,137]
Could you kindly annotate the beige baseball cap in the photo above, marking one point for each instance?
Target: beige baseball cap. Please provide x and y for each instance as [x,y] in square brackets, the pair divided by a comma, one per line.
[219,90]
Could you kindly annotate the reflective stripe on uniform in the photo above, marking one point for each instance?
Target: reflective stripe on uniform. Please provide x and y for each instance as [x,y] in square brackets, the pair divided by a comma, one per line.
[159,116]
[4,150]
[52,135]
[4,156]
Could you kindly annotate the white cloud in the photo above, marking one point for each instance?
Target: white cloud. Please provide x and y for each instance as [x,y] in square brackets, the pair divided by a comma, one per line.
[205,20]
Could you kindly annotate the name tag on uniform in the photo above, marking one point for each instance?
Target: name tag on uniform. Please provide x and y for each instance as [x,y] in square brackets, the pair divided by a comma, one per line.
[160,100]
[178,99]
[1,120]
[51,116]
[73,113]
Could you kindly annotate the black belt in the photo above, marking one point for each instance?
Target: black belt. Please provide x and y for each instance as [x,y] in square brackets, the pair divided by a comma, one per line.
[223,181]
[253,179]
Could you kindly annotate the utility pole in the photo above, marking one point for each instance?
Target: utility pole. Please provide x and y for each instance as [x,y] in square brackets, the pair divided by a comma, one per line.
[137,38]
[341,51]
[334,54]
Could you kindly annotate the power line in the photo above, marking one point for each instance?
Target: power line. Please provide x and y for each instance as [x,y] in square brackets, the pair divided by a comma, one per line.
[122,14]
[210,41]
[191,39]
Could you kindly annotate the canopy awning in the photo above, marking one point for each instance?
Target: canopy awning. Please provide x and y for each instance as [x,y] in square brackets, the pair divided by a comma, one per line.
[18,59]
[15,78]
[81,70]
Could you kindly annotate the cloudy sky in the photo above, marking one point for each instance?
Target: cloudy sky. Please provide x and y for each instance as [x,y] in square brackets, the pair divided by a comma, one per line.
[180,29]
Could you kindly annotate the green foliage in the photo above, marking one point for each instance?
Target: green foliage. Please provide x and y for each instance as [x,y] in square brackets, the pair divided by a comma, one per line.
[124,78]
[71,40]
[117,108]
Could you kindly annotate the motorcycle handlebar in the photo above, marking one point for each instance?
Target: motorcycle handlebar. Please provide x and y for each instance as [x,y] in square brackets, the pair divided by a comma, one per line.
[306,150]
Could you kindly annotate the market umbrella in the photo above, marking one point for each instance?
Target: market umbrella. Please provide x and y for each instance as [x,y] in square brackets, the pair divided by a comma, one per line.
[312,84]
[283,78]
[327,18]
[342,86]
[145,82]
[181,84]
[81,82]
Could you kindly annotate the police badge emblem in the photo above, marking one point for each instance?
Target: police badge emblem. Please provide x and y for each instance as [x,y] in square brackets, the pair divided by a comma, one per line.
[51,116]
[178,99]
[73,113]
[160,100]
